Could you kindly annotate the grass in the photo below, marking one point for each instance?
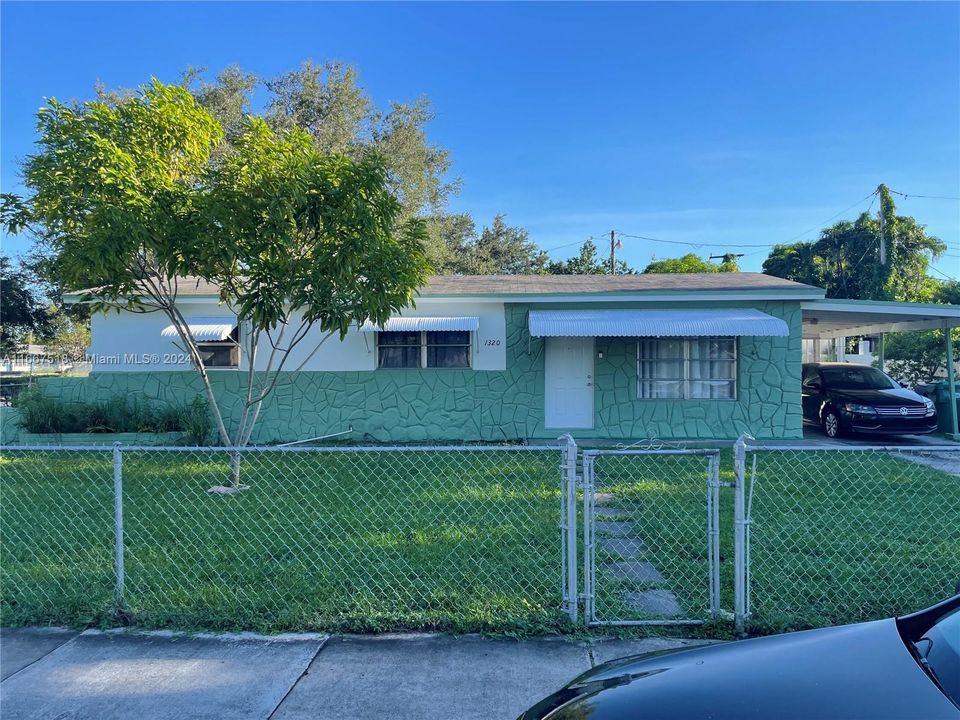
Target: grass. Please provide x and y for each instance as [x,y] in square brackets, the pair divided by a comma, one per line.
[333,541]
[461,541]
[852,536]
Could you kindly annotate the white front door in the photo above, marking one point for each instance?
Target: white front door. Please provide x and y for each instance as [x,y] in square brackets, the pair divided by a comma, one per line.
[568,382]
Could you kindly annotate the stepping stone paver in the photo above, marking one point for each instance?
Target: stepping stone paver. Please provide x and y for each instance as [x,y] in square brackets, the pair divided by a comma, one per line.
[624,547]
[653,602]
[613,528]
[634,570]
[611,512]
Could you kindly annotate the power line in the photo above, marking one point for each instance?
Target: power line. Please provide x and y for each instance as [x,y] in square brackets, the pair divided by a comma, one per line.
[931,267]
[591,238]
[692,244]
[925,197]
[821,225]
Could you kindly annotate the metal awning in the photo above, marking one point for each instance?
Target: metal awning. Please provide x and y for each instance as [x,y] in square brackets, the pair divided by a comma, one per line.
[708,322]
[204,329]
[416,324]
[826,319]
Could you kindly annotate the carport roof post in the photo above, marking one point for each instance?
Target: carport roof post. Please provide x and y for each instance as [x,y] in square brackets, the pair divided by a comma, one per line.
[951,384]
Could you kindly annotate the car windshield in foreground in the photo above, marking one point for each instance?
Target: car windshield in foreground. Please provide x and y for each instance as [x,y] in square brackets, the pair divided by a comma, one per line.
[857,377]
[938,651]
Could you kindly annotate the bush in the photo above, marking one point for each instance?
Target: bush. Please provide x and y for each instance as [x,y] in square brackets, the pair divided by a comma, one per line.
[196,422]
[42,414]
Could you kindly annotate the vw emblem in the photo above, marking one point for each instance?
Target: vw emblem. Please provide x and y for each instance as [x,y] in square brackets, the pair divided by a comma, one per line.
[903,411]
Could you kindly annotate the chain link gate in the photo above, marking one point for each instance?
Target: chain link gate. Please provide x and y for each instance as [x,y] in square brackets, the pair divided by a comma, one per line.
[651,551]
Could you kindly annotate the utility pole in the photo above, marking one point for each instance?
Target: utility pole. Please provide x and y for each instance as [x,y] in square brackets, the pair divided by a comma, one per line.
[613,252]
[614,246]
[883,242]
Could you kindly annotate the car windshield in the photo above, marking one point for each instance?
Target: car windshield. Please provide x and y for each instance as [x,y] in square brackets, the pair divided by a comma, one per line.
[856,377]
[940,650]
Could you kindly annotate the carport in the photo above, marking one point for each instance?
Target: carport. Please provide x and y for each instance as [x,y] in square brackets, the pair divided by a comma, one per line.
[834,320]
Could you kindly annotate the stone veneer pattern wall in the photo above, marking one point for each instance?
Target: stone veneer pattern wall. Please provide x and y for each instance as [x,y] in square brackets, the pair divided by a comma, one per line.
[416,405]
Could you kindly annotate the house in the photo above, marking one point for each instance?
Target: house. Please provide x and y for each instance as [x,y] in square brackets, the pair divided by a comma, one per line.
[518,357]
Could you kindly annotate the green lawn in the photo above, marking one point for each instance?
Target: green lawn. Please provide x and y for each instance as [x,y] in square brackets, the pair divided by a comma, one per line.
[346,541]
[837,537]
[851,536]
[463,540]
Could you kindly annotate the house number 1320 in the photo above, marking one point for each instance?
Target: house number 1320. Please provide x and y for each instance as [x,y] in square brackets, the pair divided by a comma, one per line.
[492,342]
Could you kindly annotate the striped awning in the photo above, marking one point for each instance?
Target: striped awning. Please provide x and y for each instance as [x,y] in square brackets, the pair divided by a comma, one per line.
[204,329]
[416,324]
[686,322]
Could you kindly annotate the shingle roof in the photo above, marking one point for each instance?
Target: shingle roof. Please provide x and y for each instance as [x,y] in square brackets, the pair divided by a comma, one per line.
[447,285]
[572,284]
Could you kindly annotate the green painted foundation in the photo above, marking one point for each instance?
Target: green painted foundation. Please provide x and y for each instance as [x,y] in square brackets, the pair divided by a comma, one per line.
[450,405]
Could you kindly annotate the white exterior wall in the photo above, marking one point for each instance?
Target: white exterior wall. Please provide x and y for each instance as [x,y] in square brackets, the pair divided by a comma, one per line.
[132,342]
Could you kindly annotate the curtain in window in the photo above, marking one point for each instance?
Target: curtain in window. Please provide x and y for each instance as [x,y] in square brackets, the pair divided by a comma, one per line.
[694,368]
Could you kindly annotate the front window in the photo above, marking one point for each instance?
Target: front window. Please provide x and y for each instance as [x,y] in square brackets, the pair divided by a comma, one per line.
[430,349]
[687,368]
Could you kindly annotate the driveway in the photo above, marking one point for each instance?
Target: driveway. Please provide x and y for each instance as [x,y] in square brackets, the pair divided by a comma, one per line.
[51,673]
[813,435]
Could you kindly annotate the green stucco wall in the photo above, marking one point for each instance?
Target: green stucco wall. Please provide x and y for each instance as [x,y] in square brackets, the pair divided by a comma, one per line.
[416,405]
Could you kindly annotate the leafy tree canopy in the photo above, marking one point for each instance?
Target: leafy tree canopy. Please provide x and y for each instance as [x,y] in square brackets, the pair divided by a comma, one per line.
[919,357]
[21,309]
[327,102]
[692,263]
[587,262]
[845,260]
[498,249]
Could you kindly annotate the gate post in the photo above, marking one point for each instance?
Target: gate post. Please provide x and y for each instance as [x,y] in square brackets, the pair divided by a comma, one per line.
[568,524]
[118,523]
[713,532]
[739,534]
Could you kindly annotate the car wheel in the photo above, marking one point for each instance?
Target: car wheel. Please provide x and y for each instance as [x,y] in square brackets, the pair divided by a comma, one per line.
[831,424]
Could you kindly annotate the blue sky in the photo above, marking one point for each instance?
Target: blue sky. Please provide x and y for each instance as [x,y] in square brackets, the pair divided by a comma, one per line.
[739,125]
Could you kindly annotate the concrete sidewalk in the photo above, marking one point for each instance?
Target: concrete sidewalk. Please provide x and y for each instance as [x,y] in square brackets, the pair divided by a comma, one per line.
[50,673]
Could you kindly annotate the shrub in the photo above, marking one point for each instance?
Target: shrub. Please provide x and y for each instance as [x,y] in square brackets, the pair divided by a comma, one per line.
[196,422]
[42,414]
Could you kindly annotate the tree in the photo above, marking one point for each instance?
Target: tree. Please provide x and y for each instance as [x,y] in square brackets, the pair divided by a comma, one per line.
[499,249]
[587,262]
[919,357]
[301,244]
[845,260]
[798,262]
[327,102]
[65,337]
[21,311]
[689,263]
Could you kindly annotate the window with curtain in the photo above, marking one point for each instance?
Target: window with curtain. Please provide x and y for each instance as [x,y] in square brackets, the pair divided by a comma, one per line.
[430,349]
[687,368]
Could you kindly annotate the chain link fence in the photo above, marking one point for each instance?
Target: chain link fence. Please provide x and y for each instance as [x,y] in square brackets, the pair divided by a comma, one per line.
[475,538]
[358,538]
[848,533]
[651,536]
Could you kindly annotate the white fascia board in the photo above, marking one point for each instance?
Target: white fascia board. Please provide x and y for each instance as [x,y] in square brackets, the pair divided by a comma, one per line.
[882,310]
[650,296]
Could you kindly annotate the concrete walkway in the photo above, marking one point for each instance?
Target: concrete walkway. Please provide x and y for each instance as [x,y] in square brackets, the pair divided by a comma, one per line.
[50,673]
